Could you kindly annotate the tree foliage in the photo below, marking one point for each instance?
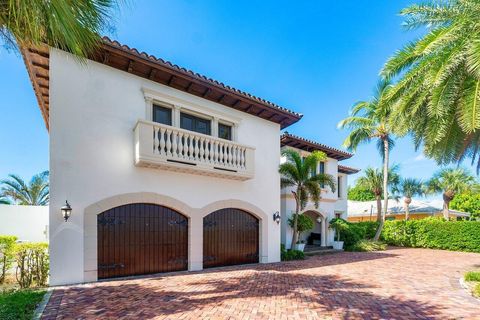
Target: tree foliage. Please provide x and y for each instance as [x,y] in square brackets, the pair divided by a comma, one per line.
[437,95]
[73,26]
[467,202]
[371,120]
[359,193]
[450,182]
[34,193]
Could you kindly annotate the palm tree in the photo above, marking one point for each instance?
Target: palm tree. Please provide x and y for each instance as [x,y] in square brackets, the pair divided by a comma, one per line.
[301,174]
[73,26]
[409,188]
[4,200]
[372,120]
[373,181]
[438,91]
[450,182]
[35,193]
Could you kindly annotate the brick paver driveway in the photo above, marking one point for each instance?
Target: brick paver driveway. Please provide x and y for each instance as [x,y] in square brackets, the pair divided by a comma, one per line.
[394,284]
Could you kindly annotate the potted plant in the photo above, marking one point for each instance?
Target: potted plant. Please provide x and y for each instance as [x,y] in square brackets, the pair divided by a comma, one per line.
[338,225]
[304,223]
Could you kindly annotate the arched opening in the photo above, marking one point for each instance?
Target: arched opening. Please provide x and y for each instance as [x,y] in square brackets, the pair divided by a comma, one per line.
[230,237]
[317,236]
[141,238]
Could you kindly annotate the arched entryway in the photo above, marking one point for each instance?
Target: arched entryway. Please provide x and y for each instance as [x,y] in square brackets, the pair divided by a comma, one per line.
[141,238]
[318,235]
[230,237]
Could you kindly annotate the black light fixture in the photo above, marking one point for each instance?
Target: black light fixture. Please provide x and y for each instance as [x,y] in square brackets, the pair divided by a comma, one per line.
[276,217]
[66,210]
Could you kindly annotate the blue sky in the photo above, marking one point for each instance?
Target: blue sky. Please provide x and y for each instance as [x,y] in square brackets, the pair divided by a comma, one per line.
[315,57]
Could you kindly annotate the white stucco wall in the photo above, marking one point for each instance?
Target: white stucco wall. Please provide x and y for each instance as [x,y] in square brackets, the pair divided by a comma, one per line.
[93,110]
[27,223]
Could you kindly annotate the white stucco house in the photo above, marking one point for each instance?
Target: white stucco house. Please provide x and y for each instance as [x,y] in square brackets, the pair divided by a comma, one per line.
[332,204]
[164,169]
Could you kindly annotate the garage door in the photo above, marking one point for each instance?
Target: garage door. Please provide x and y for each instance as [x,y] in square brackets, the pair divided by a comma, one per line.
[230,236]
[141,238]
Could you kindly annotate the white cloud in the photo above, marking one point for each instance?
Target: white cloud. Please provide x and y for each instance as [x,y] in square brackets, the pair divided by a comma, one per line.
[420,157]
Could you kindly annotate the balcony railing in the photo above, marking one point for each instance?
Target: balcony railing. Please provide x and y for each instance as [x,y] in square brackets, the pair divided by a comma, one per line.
[166,147]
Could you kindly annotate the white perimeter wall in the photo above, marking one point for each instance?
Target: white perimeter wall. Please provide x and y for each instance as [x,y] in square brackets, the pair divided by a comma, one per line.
[27,223]
[93,110]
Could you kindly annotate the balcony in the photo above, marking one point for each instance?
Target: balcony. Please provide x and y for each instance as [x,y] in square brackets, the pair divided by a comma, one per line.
[170,148]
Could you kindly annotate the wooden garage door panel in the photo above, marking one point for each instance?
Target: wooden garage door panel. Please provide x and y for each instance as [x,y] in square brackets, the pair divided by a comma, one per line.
[230,237]
[139,239]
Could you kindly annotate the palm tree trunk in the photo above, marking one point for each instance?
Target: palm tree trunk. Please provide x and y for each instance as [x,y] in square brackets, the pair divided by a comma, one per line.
[295,220]
[446,210]
[379,208]
[407,211]
[385,188]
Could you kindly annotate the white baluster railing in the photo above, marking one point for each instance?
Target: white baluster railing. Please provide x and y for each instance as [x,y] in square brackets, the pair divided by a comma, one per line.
[160,145]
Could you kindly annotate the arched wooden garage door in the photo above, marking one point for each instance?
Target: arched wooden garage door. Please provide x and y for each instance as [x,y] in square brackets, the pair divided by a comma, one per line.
[230,236]
[141,238]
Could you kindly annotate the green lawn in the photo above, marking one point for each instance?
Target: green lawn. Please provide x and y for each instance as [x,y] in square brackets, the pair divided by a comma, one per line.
[472,276]
[19,304]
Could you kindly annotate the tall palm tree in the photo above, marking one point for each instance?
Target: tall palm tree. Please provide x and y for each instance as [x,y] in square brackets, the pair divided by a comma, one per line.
[301,175]
[438,90]
[35,193]
[409,188]
[372,180]
[73,26]
[450,182]
[371,120]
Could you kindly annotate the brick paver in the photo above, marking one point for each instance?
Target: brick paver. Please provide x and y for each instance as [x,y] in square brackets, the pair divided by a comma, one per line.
[395,284]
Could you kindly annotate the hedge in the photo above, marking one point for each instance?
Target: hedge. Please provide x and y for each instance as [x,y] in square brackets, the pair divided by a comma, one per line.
[434,233]
[7,244]
[32,264]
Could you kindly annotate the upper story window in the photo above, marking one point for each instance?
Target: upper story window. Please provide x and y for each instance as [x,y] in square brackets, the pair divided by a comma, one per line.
[224,131]
[339,187]
[161,108]
[321,169]
[162,115]
[194,123]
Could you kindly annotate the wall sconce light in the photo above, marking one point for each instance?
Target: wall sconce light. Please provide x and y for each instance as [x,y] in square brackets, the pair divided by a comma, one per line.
[66,210]
[276,217]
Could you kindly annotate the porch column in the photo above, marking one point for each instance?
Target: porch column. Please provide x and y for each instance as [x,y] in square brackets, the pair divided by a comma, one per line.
[323,239]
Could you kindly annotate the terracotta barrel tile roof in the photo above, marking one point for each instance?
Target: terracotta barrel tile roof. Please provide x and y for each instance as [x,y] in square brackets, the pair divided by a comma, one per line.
[288,139]
[122,57]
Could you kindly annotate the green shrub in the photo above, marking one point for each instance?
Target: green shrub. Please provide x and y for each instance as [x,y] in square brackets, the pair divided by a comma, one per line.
[32,264]
[472,276]
[434,233]
[7,244]
[287,255]
[367,245]
[370,228]
[350,233]
[20,304]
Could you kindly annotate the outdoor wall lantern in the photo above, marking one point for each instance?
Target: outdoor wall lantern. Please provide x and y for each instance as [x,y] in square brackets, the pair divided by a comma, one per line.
[276,217]
[66,210]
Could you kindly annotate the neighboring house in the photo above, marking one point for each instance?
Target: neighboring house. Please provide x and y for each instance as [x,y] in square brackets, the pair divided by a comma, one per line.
[164,169]
[332,204]
[27,223]
[367,210]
